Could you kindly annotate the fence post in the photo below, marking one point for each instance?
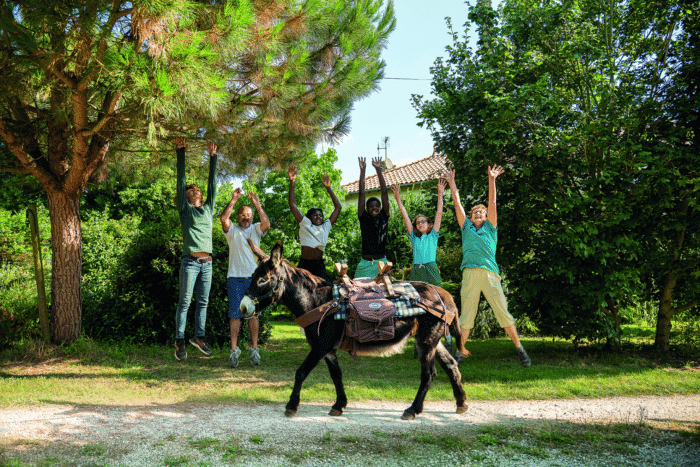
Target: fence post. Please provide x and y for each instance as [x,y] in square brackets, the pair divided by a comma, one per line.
[39,272]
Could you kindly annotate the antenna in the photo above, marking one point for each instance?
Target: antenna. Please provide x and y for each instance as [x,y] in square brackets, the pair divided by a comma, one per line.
[384,140]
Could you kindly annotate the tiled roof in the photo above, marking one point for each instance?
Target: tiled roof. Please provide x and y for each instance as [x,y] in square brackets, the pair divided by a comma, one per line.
[430,168]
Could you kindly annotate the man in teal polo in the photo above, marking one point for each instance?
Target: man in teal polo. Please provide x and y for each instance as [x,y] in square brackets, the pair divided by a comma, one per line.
[479,269]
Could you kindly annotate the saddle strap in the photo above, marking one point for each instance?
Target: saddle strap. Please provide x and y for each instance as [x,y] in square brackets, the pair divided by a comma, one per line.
[317,314]
[446,315]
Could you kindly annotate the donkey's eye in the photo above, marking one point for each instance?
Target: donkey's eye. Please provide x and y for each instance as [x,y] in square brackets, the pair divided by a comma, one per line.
[262,281]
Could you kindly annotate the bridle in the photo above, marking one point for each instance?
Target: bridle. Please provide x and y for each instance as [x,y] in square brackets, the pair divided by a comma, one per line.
[272,292]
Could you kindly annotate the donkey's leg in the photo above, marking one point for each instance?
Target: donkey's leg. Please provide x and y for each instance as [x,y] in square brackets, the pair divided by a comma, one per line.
[426,347]
[449,364]
[341,400]
[300,376]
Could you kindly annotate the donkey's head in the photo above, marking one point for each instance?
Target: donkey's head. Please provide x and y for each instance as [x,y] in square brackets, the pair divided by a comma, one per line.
[268,281]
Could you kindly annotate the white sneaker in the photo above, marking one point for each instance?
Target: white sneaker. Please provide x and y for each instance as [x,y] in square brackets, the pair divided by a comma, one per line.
[254,356]
[233,358]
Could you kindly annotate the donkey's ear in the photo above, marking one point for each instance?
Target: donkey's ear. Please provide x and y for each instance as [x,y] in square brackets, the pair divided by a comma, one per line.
[277,253]
[260,255]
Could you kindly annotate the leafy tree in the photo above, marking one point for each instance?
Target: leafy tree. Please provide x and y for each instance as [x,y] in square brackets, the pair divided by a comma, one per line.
[86,79]
[576,99]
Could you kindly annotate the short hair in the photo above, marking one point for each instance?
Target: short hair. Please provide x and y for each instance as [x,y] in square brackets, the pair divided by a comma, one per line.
[187,187]
[310,212]
[479,206]
[373,198]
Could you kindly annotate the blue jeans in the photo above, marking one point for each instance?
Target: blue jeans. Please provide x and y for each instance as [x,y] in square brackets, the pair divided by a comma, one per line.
[194,277]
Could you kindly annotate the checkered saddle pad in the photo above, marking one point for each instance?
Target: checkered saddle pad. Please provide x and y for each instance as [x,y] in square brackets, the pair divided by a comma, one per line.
[404,304]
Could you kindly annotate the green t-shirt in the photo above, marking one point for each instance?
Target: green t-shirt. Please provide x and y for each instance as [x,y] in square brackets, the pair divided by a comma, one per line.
[196,222]
[479,246]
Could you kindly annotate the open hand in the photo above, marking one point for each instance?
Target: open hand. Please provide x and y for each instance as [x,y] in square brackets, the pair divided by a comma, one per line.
[377,162]
[449,177]
[237,193]
[495,171]
[254,199]
[397,190]
[292,173]
[212,149]
[441,186]
[363,164]
[326,180]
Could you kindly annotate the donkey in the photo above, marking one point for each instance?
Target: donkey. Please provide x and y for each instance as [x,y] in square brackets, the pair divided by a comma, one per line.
[277,280]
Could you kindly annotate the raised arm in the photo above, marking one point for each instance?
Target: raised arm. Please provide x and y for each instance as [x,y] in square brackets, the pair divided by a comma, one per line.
[492,212]
[337,207]
[459,210]
[292,173]
[361,194]
[264,221]
[225,217]
[181,184]
[441,195]
[213,162]
[377,163]
[406,220]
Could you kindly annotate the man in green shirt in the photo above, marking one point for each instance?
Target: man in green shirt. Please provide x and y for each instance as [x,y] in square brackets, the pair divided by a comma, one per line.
[197,262]
[479,269]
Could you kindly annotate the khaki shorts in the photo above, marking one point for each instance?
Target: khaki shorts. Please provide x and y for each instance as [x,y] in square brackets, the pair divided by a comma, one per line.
[474,282]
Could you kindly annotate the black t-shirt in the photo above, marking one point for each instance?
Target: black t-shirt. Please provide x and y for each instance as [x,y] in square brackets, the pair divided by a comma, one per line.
[374,232]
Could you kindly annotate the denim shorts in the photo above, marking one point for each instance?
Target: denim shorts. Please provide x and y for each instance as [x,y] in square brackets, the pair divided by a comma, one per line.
[236,287]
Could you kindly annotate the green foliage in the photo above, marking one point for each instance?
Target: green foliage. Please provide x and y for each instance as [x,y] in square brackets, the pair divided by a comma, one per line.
[273,188]
[81,83]
[131,272]
[19,315]
[580,102]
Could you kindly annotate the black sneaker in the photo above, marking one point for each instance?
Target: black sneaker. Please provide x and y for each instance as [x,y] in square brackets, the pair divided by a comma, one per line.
[201,345]
[524,358]
[180,352]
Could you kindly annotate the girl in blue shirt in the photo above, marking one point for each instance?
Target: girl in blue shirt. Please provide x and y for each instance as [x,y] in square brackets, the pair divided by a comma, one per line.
[424,239]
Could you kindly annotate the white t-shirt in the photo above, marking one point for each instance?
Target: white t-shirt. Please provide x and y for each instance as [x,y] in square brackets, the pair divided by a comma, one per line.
[315,236]
[241,261]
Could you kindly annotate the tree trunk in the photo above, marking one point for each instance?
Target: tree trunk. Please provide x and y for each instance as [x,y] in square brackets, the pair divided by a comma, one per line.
[666,312]
[66,266]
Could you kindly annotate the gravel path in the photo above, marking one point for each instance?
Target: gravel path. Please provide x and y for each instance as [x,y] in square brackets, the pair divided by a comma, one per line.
[369,433]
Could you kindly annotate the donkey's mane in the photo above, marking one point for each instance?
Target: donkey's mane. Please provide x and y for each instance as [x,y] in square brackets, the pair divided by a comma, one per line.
[306,277]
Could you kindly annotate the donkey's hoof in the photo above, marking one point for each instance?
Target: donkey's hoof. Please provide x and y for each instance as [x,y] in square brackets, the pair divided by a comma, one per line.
[289,413]
[408,415]
[335,413]
[462,409]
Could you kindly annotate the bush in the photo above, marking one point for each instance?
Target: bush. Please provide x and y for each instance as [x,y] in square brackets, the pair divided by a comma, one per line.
[133,294]
[19,312]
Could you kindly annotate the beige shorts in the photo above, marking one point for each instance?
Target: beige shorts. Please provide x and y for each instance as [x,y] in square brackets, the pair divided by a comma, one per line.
[474,282]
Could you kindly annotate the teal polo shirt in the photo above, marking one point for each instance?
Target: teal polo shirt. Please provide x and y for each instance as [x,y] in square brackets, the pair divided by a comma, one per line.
[424,247]
[479,246]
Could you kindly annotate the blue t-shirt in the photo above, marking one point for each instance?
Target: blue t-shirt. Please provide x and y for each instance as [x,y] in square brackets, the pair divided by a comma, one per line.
[479,246]
[424,247]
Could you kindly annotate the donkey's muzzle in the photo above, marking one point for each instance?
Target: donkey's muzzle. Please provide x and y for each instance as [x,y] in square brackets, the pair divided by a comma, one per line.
[247,307]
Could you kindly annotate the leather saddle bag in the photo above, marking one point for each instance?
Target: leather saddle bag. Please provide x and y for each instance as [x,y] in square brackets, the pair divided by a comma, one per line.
[370,316]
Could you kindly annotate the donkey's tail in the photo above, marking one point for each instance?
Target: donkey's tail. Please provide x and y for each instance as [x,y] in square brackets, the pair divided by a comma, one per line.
[456,332]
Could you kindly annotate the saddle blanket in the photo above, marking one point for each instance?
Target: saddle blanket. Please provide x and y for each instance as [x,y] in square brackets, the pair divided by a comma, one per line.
[404,303]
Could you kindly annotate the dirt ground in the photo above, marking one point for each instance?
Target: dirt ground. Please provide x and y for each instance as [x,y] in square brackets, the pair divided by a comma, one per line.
[153,435]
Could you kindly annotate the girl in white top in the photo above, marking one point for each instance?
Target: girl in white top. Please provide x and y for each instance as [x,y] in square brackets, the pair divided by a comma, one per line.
[313,229]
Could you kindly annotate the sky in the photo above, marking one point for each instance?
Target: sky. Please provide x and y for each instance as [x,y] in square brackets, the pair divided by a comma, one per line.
[421,36]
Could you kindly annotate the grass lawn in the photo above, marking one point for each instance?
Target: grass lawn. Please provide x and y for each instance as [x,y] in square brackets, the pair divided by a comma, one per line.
[89,372]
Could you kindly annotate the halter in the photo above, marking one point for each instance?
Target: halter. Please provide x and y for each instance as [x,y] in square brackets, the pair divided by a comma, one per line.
[272,292]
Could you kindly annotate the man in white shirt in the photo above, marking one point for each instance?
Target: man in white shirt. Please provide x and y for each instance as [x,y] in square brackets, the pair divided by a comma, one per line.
[241,265]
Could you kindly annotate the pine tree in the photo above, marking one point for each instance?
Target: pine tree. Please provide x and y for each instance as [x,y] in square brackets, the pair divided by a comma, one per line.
[83,79]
